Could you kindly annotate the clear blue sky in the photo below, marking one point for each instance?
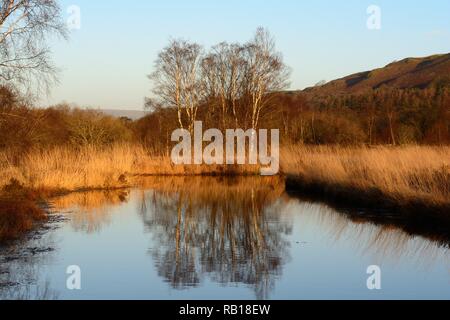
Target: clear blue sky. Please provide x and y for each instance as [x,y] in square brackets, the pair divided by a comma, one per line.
[105,63]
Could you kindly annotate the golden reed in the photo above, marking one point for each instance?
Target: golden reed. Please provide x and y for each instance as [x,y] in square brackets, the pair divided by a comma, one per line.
[402,174]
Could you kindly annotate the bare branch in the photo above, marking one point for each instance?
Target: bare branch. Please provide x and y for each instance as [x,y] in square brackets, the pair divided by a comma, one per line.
[25,26]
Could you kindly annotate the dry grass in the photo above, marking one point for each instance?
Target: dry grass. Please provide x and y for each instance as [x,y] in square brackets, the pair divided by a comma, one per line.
[18,217]
[403,175]
[90,168]
[19,211]
[70,169]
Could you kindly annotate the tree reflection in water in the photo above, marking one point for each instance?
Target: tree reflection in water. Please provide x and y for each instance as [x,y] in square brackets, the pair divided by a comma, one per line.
[227,229]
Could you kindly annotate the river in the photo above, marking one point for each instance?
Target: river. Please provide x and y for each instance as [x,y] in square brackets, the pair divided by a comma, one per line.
[220,238]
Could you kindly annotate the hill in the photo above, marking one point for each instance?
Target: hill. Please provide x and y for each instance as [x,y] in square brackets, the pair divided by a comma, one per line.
[405,74]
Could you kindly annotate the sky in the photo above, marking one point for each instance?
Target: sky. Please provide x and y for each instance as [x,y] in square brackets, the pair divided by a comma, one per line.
[105,62]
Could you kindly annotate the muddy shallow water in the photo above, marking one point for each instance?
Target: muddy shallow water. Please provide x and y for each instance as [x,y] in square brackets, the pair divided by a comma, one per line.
[217,238]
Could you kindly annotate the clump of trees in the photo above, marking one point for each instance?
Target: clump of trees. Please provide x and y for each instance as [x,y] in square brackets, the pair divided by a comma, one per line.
[231,85]
[23,128]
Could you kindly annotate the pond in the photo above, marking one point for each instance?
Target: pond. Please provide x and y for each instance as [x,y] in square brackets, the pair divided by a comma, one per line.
[221,238]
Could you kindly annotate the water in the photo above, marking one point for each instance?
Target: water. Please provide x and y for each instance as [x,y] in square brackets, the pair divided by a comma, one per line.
[215,238]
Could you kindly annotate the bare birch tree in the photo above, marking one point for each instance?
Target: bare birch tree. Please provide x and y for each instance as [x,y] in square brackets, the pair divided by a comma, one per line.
[225,73]
[177,82]
[25,27]
[266,73]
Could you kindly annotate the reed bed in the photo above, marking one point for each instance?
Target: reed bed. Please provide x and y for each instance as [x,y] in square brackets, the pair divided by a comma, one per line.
[72,169]
[399,175]
[404,173]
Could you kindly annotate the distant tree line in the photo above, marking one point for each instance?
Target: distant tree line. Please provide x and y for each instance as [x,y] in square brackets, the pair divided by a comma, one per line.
[394,116]
[382,116]
[23,127]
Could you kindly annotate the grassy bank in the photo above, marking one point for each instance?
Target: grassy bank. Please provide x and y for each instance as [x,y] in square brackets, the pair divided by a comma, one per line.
[20,210]
[18,217]
[402,173]
[93,168]
[414,178]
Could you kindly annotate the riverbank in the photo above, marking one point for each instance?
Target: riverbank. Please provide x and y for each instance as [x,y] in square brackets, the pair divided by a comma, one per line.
[411,179]
[21,209]
[98,168]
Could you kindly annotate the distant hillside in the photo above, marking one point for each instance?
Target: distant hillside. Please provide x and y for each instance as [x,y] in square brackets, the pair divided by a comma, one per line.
[404,74]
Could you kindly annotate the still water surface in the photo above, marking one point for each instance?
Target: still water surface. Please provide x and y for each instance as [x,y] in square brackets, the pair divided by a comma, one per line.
[216,238]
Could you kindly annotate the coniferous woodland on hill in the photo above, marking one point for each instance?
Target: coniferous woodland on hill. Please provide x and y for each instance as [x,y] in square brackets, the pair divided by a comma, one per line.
[383,133]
